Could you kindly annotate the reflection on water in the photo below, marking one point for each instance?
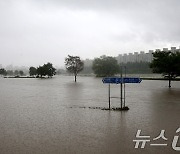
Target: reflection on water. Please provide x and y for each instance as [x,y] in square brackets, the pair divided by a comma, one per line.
[53,116]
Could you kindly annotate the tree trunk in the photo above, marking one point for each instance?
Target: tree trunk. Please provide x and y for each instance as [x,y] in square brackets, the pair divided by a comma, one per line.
[75,77]
[169,81]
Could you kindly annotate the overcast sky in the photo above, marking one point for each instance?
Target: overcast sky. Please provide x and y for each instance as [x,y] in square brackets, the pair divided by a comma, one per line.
[33,32]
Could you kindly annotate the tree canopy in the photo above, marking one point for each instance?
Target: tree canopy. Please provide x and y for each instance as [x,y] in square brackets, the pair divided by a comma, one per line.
[11,72]
[3,71]
[167,63]
[105,66]
[46,70]
[74,65]
[32,71]
[21,73]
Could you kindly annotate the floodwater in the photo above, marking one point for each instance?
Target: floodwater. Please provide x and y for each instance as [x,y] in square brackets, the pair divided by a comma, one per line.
[52,116]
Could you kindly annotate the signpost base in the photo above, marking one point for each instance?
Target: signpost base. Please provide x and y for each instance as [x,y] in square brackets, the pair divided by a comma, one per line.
[126,108]
[121,81]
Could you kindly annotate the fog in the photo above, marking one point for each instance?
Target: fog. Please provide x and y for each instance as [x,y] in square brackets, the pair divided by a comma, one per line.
[35,32]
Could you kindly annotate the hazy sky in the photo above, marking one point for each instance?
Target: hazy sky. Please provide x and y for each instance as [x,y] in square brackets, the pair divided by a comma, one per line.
[33,32]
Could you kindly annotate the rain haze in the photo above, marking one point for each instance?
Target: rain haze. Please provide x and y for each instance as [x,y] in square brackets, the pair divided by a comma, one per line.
[35,32]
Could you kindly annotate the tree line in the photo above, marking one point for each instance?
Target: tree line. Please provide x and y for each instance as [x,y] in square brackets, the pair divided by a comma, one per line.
[11,72]
[167,63]
[42,71]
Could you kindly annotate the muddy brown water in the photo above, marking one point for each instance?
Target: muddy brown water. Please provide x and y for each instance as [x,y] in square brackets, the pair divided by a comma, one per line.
[52,116]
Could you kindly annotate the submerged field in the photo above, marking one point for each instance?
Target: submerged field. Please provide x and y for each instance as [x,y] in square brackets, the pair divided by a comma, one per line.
[58,116]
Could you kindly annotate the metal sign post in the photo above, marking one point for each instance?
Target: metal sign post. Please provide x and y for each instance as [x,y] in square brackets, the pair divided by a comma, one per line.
[119,80]
[109,97]
[124,87]
[121,89]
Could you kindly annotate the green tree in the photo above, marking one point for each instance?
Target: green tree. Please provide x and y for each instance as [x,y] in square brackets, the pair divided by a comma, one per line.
[21,73]
[167,63]
[105,66]
[74,65]
[16,72]
[46,70]
[32,71]
[3,71]
[10,72]
[49,69]
[40,71]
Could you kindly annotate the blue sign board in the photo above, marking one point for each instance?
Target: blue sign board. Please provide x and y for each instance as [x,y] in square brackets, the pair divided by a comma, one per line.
[132,80]
[117,80]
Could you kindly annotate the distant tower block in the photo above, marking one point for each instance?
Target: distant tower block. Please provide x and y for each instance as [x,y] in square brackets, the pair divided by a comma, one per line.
[150,55]
[151,51]
[120,58]
[173,49]
[125,56]
[136,57]
[130,57]
[165,49]
[158,50]
[142,56]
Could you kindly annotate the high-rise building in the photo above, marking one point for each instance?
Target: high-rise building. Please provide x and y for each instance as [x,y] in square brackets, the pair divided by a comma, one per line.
[141,56]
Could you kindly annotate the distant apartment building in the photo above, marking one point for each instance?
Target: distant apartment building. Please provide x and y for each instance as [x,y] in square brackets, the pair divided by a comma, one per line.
[135,57]
[141,56]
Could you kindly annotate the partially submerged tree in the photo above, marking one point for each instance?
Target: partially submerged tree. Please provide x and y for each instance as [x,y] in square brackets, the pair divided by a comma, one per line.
[21,73]
[46,70]
[167,63]
[10,72]
[74,65]
[3,71]
[49,69]
[32,71]
[40,71]
[16,72]
[105,66]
